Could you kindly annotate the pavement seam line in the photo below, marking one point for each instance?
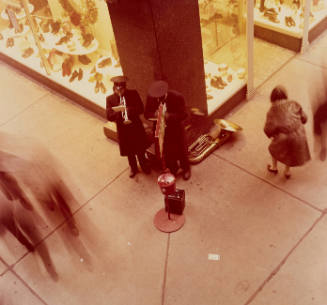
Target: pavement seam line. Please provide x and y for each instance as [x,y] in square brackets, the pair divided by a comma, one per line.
[24,110]
[312,63]
[28,287]
[60,225]
[275,72]
[165,272]
[272,184]
[282,263]
[6,265]
[9,268]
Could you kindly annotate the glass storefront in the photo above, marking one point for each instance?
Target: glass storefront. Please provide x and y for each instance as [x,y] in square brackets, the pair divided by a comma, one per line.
[72,43]
[287,16]
[318,11]
[69,41]
[224,44]
[16,38]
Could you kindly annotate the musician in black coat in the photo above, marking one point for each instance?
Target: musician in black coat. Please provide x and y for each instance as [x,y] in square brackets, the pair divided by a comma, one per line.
[131,133]
[174,147]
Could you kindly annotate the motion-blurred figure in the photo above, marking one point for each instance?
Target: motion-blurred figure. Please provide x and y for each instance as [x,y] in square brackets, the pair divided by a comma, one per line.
[19,222]
[9,185]
[11,219]
[318,99]
[37,171]
[319,121]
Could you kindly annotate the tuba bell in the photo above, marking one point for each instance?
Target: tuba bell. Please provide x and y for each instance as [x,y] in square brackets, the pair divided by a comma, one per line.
[207,143]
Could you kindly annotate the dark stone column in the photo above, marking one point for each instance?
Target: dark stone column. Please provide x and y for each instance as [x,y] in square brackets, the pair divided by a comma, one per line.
[136,43]
[177,26]
[161,40]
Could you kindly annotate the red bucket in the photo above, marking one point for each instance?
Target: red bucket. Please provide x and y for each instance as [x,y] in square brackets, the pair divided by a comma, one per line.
[167,183]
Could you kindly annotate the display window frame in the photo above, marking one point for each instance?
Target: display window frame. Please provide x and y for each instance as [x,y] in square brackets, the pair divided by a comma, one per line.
[162,48]
[291,30]
[38,62]
[240,84]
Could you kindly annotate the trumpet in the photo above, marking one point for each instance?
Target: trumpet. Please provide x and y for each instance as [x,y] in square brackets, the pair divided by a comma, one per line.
[124,113]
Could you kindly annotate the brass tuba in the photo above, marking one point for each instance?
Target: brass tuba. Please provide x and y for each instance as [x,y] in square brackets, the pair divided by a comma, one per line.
[207,143]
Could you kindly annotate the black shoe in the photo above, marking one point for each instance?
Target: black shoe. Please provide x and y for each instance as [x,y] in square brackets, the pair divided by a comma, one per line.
[186,174]
[133,173]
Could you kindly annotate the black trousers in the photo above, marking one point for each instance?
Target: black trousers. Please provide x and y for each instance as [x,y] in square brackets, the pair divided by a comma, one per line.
[172,163]
[142,160]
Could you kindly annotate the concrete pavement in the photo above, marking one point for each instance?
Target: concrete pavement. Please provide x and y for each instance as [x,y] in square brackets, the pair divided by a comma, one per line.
[269,232]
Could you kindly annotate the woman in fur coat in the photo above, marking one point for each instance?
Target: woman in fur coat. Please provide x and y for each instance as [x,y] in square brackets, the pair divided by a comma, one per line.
[284,124]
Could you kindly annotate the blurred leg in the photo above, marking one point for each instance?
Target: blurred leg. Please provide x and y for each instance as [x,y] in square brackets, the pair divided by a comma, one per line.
[65,210]
[13,191]
[10,224]
[323,141]
[28,227]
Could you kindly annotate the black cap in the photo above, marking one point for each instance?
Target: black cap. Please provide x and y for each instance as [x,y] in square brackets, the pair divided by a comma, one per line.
[158,89]
[119,79]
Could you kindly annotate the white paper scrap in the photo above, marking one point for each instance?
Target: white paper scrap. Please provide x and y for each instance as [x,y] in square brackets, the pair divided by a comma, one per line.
[213,257]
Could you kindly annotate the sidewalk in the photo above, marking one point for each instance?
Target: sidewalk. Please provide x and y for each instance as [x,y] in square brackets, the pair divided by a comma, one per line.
[268,232]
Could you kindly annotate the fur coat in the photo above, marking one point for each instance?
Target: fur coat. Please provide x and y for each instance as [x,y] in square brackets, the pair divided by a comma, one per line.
[284,124]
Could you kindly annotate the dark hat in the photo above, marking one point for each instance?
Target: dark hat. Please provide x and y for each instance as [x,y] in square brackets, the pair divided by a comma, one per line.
[119,79]
[158,89]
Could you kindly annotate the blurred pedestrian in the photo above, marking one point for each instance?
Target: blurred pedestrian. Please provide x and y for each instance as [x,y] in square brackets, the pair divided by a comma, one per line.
[11,218]
[26,161]
[174,143]
[19,222]
[284,124]
[124,107]
[319,127]
[9,185]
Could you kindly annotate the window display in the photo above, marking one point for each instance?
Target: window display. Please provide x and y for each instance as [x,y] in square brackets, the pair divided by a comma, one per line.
[14,31]
[224,49]
[77,45]
[287,16]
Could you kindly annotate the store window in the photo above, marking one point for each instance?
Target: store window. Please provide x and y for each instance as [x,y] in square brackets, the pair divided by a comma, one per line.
[318,11]
[223,30]
[70,41]
[281,15]
[287,16]
[15,33]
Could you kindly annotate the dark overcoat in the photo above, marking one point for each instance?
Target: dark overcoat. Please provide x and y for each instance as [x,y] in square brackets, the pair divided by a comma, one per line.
[132,137]
[174,141]
[284,124]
